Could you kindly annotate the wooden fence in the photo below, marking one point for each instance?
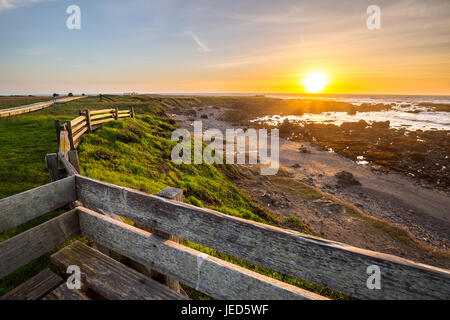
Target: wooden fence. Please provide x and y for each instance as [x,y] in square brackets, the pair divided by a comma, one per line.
[151,246]
[327,263]
[87,122]
[70,134]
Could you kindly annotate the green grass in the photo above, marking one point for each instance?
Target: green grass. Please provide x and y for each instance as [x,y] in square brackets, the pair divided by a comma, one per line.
[393,231]
[136,153]
[299,188]
[295,223]
[24,141]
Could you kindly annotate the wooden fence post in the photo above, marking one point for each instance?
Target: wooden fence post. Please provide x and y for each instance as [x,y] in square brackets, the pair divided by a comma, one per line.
[132,112]
[88,120]
[116,113]
[73,159]
[58,129]
[51,161]
[172,194]
[70,133]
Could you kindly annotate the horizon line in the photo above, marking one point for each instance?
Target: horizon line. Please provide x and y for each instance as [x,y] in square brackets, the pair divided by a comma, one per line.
[226,93]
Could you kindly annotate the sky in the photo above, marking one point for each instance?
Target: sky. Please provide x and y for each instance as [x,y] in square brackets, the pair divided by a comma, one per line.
[224,46]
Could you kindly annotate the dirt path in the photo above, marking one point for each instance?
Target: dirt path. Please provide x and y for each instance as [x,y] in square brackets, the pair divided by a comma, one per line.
[386,200]
[34,106]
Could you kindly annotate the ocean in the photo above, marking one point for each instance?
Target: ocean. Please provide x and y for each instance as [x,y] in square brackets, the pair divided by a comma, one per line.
[400,116]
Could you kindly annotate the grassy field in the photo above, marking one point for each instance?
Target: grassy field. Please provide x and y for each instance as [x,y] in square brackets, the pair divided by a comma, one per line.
[133,153]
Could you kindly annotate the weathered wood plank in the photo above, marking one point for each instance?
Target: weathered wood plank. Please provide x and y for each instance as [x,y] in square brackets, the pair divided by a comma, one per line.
[34,288]
[102,111]
[111,253]
[172,194]
[64,143]
[70,169]
[210,275]
[331,264]
[64,293]
[88,120]
[73,159]
[51,161]
[124,115]
[58,129]
[102,121]
[31,244]
[70,134]
[79,127]
[77,120]
[110,278]
[102,116]
[79,134]
[23,207]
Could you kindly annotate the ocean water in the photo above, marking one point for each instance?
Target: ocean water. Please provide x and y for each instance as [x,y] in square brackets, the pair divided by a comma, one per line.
[358,99]
[399,116]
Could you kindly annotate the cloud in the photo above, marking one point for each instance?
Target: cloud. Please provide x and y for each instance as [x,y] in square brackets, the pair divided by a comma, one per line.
[6,4]
[201,45]
[11,4]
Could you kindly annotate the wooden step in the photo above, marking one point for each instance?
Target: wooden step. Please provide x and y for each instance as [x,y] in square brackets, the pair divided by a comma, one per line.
[64,293]
[35,288]
[109,278]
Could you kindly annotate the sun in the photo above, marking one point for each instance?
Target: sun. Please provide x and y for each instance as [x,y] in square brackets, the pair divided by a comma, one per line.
[315,82]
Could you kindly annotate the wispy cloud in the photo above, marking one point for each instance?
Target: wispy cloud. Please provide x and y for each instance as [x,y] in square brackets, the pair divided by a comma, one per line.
[201,44]
[11,4]
[6,4]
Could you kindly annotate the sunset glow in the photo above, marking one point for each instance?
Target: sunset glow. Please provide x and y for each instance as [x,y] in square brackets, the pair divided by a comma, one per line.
[315,82]
[185,47]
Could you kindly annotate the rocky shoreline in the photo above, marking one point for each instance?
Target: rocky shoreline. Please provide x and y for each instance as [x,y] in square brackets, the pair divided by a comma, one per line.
[423,155]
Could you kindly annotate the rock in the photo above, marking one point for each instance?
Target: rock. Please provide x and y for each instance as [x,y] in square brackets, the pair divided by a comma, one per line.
[381,124]
[296,166]
[346,179]
[303,149]
[276,200]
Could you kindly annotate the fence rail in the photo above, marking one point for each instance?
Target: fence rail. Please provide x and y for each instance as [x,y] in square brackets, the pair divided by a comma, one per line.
[89,121]
[70,134]
[327,263]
